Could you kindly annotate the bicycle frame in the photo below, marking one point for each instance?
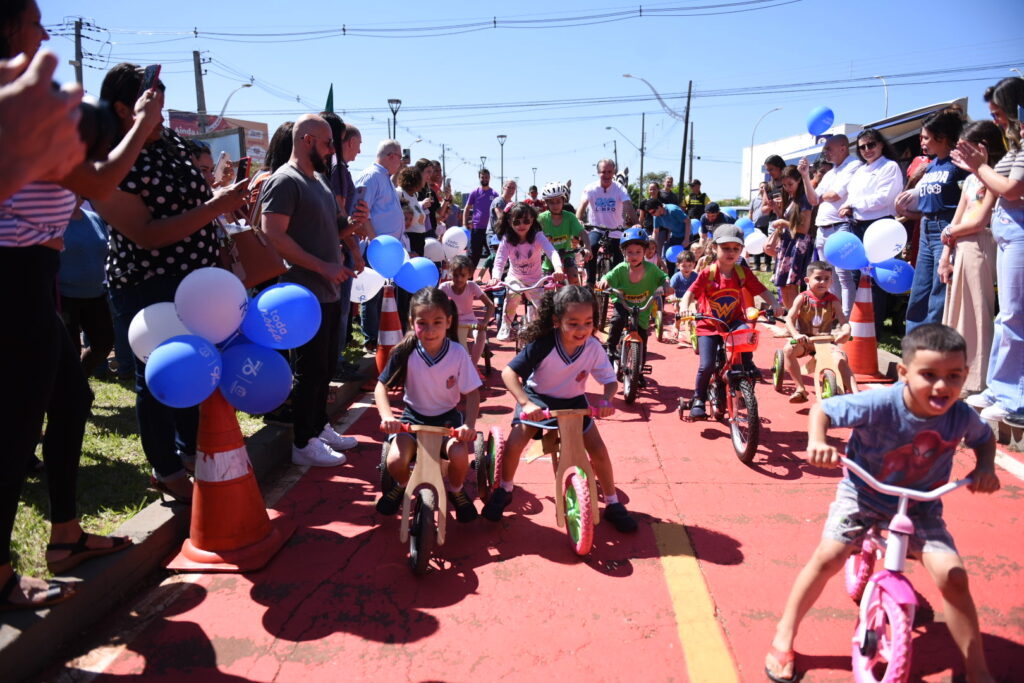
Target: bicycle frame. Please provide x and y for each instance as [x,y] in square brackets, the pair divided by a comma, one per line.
[427,473]
[632,331]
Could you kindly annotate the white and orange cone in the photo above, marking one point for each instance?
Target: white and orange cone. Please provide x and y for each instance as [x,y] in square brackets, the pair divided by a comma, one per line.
[231,530]
[390,329]
[862,349]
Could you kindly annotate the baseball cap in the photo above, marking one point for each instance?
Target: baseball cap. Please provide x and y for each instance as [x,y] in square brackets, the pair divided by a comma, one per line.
[728,233]
[712,208]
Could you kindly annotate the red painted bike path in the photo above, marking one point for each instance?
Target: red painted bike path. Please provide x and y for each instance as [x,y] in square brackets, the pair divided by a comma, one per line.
[512,602]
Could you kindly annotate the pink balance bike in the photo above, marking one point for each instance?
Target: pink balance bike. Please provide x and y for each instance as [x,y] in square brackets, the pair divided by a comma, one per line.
[881,643]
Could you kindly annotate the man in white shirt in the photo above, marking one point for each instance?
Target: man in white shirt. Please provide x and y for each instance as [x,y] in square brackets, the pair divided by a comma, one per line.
[607,205]
[832,192]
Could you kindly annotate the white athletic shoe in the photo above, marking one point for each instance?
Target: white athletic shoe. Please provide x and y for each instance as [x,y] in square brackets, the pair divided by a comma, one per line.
[317,454]
[982,400]
[504,334]
[336,440]
[994,412]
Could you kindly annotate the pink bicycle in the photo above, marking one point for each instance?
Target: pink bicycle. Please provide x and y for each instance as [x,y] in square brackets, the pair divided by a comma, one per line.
[881,643]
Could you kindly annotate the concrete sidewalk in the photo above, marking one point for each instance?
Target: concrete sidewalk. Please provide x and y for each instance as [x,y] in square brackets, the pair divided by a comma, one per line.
[29,640]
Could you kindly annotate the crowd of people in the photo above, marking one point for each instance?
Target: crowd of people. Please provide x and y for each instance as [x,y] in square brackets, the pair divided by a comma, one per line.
[88,240]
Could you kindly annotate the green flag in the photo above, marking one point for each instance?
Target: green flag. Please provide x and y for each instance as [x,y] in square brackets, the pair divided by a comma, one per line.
[329,107]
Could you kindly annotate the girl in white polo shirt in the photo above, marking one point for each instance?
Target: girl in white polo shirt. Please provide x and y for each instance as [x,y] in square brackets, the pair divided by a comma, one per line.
[436,372]
[561,352]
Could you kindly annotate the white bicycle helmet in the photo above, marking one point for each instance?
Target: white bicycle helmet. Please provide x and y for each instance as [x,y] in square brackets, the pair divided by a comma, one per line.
[552,190]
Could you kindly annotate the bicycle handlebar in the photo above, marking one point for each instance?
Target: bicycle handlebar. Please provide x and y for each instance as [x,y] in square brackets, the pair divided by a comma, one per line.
[899,491]
[548,414]
[768,316]
[622,294]
[546,282]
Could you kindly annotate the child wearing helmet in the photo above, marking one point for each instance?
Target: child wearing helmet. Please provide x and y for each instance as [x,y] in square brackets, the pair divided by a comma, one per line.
[638,279]
[562,228]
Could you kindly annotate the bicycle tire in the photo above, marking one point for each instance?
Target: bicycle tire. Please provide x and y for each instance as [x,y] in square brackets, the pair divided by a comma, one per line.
[386,482]
[715,399]
[631,370]
[857,571]
[488,472]
[829,385]
[422,531]
[487,357]
[778,370]
[891,624]
[579,522]
[744,424]
[659,324]
[602,310]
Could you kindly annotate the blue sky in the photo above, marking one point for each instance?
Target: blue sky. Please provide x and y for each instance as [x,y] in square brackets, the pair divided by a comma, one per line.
[757,44]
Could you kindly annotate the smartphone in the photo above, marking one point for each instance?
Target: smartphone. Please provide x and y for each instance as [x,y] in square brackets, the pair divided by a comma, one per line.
[149,77]
[447,185]
[242,170]
[406,157]
[360,195]
[222,162]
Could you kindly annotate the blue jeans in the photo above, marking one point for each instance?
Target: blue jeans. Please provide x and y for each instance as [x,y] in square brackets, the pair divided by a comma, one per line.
[1005,378]
[166,432]
[844,284]
[928,292]
[707,347]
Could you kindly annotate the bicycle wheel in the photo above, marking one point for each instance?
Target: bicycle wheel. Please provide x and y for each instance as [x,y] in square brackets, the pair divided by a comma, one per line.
[716,399]
[631,369]
[386,482]
[829,384]
[422,531]
[778,371]
[744,422]
[659,323]
[579,522]
[488,471]
[602,310]
[857,571]
[885,653]
[487,353]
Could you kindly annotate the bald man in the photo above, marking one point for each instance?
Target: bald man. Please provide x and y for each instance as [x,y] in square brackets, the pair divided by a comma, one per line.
[300,219]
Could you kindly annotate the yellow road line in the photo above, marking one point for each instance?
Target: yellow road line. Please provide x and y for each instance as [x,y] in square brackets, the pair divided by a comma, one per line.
[704,648]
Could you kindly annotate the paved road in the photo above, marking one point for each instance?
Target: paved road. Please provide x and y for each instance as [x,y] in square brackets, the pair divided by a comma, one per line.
[693,595]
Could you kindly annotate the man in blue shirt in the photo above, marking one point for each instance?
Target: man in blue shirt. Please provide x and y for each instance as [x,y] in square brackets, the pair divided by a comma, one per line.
[671,227]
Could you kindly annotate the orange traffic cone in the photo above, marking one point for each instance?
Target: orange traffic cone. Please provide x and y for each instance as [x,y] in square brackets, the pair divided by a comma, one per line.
[231,531]
[390,330]
[862,349]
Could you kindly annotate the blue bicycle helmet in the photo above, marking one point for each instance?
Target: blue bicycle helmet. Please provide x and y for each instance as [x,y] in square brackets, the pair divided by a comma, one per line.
[638,235]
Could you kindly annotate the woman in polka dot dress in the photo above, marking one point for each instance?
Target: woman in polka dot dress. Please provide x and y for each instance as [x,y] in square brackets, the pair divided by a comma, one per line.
[162,228]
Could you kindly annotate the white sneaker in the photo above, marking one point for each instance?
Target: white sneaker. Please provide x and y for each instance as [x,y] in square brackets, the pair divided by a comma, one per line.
[504,334]
[994,412]
[982,400]
[317,454]
[336,440]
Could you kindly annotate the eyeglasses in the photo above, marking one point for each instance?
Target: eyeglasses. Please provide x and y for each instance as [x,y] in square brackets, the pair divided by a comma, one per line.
[522,221]
[867,145]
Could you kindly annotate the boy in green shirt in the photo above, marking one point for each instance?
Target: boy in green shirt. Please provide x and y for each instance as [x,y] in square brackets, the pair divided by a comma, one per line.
[562,228]
[638,279]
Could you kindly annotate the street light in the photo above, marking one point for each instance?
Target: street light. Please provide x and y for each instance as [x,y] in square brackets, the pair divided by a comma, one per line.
[394,105]
[664,106]
[220,117]
[501,141]
[750,178]
[483,163]
[686,127]
[615,150]
[1017,71]
[886,89]
[534,176]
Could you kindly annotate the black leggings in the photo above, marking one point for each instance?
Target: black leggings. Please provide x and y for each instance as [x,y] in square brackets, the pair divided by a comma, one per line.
[91,316]
[42,376]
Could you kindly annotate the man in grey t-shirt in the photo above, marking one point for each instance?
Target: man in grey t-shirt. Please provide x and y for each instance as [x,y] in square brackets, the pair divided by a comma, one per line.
[300,219]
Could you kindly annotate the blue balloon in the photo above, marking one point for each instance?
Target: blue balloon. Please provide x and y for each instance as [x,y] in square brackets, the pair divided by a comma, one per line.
[418,273]
[469,235]
[234,340]
[256,379]
[819,120]
[893,275]
[673,252]
[845,250]
[694,226]
[183,371]
[386,255]
[746,225]
[729,211]
[284,316]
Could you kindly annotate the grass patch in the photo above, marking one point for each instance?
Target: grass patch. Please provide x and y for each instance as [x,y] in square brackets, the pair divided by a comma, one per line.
[112,477]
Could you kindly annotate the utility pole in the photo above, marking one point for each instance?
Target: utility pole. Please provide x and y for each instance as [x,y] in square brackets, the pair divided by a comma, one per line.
[78,51]
[200,94]
[643,146]
[686,131]
[615,152]
[442,161]
[691,151]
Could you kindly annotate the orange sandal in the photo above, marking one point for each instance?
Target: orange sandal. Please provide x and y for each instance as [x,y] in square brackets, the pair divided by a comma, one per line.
[783,659]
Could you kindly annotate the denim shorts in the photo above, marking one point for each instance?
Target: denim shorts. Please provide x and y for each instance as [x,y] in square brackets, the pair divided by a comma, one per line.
[848,521]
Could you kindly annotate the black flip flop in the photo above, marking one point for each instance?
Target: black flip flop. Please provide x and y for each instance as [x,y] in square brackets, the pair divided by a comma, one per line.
[56,591]
[81,552]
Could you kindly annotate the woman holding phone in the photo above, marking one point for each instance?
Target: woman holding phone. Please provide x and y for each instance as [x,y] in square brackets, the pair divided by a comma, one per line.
[162,228]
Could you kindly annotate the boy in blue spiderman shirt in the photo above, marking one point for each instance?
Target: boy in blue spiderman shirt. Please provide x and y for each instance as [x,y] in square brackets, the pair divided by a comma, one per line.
[724,290]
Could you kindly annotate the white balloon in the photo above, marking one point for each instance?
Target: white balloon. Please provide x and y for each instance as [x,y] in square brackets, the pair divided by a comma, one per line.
[211,302]
[755,242]
[433,250]
[454,241]
[884,239]
[366,285]
[152,326]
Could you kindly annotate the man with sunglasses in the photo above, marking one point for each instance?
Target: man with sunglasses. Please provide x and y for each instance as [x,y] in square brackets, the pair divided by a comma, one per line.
[609,208]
